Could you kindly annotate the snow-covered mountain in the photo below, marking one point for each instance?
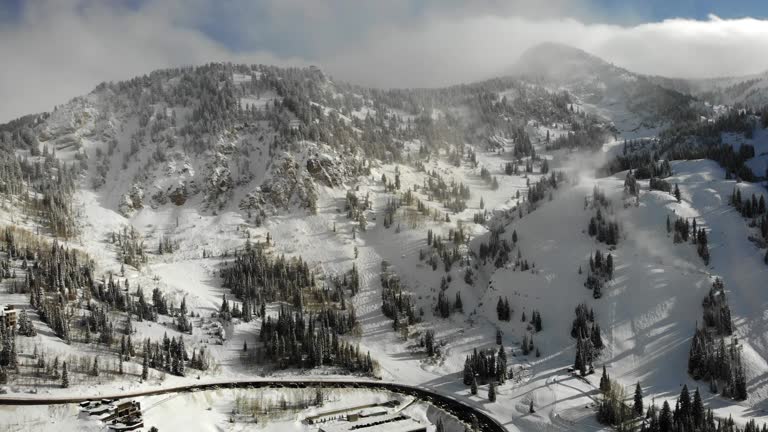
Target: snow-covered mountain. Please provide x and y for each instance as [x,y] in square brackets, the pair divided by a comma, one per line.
[632,102]
[748,90]
[275,222]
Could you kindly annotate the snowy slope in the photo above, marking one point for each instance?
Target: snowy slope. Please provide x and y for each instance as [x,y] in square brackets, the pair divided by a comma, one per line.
[635,105]
[648,312]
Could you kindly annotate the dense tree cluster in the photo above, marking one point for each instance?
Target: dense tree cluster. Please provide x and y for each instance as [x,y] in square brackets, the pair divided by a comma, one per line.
[711,357]
[750,208]
[166,245]
[589,341]
[451,194]
[591,135]
[496,249]
[348,282]
[602,226]
[659,184]
[130,246]
[26,328]
[396,304]
[631,187]
[169,355]
[603,229]
[641,157]
[600,272]
[753,209]
[535,322]
[539,190]
[57,276]
[393,204]
[685,230]
[503,310]
[42,183]
[485,366]
[441,251]
[256,277]
[312,340]
[9,359]
[356,207]
[688,415]
[445,307]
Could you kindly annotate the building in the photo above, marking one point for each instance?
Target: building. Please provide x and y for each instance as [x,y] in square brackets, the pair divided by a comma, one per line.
[8,316]
[352,413]
[294,124]
[389,423]
[125,409]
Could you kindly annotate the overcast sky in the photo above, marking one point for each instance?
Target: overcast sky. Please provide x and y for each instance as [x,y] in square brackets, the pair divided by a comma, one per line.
[53,50]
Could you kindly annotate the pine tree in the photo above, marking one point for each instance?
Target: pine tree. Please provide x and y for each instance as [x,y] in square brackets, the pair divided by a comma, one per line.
[530,407]
[492,391]
[26,328]
[605,381]
[473,388]
[64,376]
[13,359]
[638,405]
[580,362]
[697,409]
[665,419]
[685,402]
[145,365]
[468,373]
[677,193]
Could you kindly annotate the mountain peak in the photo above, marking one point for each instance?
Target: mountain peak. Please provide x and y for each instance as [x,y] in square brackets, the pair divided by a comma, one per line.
[560,62]
[559,50]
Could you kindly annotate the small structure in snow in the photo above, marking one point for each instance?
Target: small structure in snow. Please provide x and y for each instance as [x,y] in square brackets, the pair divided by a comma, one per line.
[8,316]
[389,423]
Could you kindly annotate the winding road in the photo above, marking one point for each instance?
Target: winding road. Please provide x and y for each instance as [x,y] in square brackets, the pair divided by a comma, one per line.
[460,409]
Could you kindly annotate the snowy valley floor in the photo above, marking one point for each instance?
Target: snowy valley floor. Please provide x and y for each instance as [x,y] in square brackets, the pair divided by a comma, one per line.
[648,313]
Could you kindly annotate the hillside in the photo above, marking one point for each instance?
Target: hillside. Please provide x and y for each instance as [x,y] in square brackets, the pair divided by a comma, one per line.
[634,104]
[230,221]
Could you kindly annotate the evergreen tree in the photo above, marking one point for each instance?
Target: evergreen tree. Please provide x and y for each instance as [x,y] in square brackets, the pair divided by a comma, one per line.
[605,381]
[697,409]
[64,375]
[492,391]
[468,374]
[457,304]
[638,403]
[145,366]
[665,419]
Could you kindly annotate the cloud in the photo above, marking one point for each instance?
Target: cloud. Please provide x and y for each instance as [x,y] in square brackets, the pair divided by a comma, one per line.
[58,49]
[453,50]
